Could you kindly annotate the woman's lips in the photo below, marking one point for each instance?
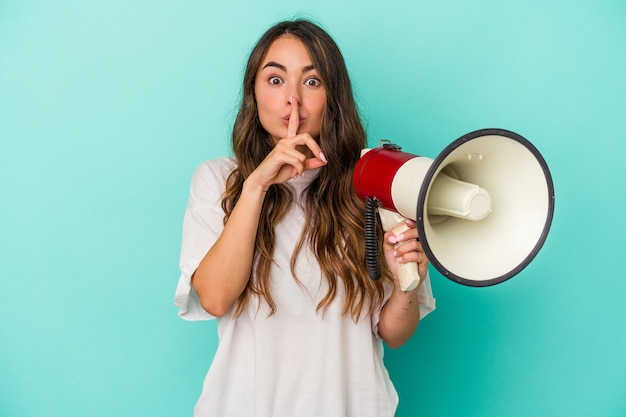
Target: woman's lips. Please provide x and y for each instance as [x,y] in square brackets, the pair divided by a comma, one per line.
[286,119]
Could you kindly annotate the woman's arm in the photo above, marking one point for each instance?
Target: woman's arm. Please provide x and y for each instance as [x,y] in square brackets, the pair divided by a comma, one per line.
[399,317]
[224,271]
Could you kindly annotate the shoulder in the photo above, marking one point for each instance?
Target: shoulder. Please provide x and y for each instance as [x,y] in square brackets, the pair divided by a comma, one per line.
[209,180]
[213,171]
[216,167]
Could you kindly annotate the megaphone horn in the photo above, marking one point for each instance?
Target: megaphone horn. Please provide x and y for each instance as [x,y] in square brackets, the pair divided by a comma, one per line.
[483,206]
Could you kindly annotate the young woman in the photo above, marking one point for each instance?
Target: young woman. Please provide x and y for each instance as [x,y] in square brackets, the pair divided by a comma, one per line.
[273,247]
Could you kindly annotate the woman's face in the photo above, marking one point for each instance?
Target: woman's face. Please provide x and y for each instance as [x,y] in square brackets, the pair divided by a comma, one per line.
[287,73]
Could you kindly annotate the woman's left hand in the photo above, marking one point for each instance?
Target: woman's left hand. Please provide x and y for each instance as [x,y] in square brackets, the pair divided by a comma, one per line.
[409,249]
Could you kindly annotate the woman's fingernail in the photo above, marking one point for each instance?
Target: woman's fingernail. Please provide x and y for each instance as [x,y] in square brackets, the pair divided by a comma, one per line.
[323,157]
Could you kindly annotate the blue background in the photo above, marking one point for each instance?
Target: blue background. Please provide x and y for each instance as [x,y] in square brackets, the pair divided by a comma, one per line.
[107,107]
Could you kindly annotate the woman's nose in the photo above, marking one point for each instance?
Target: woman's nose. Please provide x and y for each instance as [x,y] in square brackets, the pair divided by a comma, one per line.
[294,94]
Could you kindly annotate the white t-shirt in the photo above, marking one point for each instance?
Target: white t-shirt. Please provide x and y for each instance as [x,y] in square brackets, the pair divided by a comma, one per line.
[297,362]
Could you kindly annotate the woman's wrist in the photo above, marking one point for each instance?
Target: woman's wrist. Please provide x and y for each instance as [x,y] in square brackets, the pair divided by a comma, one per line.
[250,185]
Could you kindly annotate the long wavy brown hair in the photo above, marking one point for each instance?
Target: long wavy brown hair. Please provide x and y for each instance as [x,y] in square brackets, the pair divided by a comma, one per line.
[334,213]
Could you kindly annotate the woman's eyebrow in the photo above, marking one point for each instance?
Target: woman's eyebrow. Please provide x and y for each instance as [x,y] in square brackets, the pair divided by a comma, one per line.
[283,68]
[275,64]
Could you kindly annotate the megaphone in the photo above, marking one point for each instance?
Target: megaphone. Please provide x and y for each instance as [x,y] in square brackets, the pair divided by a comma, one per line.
[483,206]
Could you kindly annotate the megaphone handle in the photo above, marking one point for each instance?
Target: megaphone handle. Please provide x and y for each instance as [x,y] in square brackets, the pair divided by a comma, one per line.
[407,272]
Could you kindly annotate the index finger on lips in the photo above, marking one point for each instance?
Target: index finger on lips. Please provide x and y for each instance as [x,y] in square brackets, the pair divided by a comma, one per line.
[294,119]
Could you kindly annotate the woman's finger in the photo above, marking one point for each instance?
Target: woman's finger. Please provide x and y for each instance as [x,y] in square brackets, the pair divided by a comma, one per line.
[294,118]
[299,143]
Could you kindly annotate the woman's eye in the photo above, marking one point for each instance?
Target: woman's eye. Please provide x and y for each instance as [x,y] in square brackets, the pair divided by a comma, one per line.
[313,82]
[275,81]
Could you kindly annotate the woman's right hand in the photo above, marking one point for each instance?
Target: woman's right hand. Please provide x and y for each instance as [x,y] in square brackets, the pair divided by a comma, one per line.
[232,255]
[291,156]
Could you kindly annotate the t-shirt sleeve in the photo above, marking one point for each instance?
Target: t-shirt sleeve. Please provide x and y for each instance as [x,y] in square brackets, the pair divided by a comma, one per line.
[424,296]
[202,225]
